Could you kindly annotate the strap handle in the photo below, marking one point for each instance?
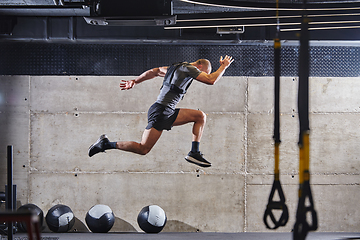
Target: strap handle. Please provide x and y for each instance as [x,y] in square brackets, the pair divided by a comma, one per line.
[302,227]
[276,205]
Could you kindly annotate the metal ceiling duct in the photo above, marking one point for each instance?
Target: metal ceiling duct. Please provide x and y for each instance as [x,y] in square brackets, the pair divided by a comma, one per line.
[131,13]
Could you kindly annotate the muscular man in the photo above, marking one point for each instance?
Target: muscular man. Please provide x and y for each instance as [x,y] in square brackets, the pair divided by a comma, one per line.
[163,114]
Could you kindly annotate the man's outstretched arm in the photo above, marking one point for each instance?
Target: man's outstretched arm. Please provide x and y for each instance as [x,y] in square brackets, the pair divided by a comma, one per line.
[212,78]
[149,74]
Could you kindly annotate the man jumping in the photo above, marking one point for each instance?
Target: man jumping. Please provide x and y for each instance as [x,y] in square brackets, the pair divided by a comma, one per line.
[163,114]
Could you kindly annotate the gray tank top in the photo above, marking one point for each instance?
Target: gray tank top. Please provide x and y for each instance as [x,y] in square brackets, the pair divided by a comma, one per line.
[177,80]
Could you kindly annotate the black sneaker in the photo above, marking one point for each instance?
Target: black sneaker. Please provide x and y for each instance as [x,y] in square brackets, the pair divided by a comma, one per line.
[98,146]
[197,158]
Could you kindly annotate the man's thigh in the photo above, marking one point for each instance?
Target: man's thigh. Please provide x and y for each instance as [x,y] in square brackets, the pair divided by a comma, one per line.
[149,138]
[187,115]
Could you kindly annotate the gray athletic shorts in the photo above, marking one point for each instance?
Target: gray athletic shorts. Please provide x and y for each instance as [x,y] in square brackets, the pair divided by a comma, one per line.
[161,117]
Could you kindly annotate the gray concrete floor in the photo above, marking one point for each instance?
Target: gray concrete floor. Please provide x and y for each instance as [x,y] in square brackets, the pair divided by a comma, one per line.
[190,236]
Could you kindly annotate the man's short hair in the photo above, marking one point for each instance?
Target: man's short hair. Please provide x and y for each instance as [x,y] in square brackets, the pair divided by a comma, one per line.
[206,63]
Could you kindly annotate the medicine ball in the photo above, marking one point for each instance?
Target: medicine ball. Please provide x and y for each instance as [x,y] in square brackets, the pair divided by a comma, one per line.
[152,219]
[60,218]
[100,218]
[30,208]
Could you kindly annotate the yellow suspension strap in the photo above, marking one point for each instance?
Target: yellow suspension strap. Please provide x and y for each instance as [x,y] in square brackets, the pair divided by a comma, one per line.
[280,204]
[305,210]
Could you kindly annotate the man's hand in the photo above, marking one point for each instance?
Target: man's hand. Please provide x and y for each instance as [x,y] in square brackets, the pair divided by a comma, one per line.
[226,61]
[126,85]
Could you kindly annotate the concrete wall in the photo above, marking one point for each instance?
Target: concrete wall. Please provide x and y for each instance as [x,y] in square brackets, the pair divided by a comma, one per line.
[52,120]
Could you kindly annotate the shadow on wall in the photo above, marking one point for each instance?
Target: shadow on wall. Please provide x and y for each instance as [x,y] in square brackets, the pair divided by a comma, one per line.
[120,225]
[177,226]
[79,226]
[123,226]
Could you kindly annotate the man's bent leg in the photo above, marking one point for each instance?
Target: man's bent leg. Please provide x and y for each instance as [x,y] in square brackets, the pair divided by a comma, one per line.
[199,119]
[149,138]
[190,115]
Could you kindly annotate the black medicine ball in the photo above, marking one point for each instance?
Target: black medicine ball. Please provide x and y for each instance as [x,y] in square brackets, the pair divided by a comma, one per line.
[152,219]
[60,218]
[35,210]
[100,218]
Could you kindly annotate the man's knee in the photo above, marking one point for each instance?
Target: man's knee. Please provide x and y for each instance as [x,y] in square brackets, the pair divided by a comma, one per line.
[202,116]
[144,150]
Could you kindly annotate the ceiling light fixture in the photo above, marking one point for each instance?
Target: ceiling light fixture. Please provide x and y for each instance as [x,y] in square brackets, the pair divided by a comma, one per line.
[320,28]
[258,25]
[240,7]
[265,17]
[219,5]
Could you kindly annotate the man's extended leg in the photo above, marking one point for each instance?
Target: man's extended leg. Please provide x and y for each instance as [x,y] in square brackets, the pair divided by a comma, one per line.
[199,119]
[149,138]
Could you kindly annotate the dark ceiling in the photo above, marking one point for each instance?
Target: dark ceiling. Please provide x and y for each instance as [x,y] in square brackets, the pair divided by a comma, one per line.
[198,20]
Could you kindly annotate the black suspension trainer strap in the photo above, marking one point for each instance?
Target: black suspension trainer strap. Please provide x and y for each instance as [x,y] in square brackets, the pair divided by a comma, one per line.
[272,204]
[304,212]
